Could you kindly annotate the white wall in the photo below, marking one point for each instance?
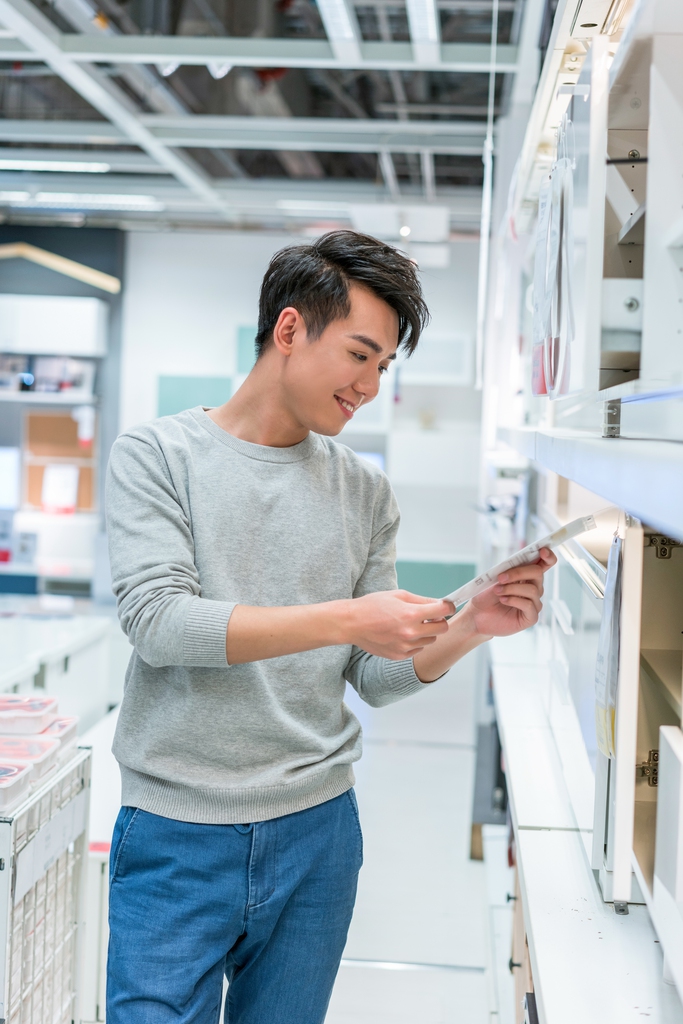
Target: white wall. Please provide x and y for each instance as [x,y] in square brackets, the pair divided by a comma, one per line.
[186,295]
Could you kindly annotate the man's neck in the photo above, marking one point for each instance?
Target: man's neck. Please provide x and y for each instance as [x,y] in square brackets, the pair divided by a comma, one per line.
[258,414]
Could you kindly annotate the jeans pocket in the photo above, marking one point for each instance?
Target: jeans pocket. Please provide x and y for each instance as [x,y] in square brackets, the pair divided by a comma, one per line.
[122,829]
[356,816]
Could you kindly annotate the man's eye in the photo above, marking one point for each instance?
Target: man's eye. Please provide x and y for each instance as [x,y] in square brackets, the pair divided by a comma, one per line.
[361,357]
[383,369]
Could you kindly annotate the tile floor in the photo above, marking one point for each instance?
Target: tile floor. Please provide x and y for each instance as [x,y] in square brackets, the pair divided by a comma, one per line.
[418,946]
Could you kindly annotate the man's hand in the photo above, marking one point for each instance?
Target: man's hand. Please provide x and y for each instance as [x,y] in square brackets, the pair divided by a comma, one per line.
[395,624]
[514,603]
[390,623]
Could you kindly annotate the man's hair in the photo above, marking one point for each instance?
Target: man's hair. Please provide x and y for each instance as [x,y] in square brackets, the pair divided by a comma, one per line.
[315,280]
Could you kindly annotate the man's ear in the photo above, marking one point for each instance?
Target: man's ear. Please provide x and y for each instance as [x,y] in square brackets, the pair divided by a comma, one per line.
[290,324]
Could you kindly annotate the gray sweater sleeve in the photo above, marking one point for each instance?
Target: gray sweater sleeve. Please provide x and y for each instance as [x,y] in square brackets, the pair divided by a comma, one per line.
[154,576]
[380,681]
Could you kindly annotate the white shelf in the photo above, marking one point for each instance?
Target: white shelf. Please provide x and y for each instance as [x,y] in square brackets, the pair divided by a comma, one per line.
[46,398]
[588,963]
[644,477]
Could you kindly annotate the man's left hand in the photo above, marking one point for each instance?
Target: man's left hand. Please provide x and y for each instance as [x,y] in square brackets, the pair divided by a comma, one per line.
[514,602]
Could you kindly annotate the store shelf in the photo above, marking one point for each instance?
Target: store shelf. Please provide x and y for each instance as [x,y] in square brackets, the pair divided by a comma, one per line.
[46,398]
[588,963]
[644,477]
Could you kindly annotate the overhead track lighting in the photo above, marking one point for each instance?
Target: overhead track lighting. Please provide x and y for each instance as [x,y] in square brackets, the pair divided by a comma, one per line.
[167,69]
[73,166]
[219,68]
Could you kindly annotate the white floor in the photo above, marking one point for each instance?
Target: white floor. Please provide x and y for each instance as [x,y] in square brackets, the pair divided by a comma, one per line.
[418,946]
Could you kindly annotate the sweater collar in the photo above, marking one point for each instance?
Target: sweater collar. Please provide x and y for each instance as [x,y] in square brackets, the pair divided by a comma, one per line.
[263,453]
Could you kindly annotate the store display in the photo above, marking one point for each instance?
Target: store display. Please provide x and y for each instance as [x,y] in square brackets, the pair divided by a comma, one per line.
[61,374]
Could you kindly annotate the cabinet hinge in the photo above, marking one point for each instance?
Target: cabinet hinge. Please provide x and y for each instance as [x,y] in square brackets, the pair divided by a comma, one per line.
[649,769]
[663,545]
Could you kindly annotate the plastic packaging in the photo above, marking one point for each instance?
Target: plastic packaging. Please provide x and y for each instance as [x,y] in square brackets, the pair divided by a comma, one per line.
[25,715]
[15,780]
[526,556]
[66,731]
[607,661]
[40,751]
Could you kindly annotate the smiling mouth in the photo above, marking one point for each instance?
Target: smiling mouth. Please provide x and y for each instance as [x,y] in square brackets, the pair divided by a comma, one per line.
[346,407]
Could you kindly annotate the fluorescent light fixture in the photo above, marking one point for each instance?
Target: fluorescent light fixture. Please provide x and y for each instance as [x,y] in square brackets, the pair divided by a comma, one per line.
[77,167]
[423,20]
[14,197]
[96,201]
[404,231]
[304,206]
[341,28]
[219,69]
[337,19]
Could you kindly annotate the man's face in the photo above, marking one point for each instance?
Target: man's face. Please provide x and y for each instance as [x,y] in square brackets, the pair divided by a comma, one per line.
[327,379]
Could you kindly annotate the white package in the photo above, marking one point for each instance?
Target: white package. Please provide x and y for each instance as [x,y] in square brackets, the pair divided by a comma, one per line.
[526,556]
[25,715]
[15,780]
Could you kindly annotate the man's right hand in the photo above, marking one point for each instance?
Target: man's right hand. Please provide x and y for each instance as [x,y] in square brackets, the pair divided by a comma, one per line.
[396,624]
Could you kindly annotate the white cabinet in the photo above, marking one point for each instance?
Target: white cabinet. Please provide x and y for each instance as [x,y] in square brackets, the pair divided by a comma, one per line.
[53,325]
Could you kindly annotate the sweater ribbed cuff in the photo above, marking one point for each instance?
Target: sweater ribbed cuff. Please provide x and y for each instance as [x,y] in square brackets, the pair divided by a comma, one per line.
[206,629]
[401,678]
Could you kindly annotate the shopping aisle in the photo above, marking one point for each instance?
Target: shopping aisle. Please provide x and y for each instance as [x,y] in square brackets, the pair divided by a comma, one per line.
[417,948]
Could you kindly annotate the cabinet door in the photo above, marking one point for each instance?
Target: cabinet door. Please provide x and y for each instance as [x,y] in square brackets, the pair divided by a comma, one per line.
[623,771]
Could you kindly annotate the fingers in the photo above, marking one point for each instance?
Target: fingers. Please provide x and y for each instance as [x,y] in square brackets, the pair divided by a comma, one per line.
[548,558]
[534,571]
[528,591]
[529,609]
[429,608]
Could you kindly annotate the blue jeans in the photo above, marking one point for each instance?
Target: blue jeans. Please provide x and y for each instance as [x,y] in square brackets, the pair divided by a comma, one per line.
[267,904]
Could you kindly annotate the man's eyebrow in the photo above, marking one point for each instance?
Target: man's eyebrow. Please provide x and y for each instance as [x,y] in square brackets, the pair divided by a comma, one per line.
[364,340]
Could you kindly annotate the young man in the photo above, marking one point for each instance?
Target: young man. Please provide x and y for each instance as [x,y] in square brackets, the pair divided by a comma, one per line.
[253,562]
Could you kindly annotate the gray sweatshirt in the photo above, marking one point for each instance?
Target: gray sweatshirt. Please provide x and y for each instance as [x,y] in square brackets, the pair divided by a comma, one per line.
[198,522]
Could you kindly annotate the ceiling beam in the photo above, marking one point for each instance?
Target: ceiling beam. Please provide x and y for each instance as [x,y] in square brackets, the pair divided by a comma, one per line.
[44,40]
[319,134]
[259,53]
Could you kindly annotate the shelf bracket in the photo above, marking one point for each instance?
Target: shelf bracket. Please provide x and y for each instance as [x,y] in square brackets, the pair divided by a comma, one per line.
[611,418]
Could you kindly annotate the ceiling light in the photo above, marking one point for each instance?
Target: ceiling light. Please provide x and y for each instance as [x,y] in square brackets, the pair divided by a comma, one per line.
[14,197]
[97,201]
[219,68]
[337,19]
[305,206]
[404,231]
[77,167]
[168,68]
[423,18]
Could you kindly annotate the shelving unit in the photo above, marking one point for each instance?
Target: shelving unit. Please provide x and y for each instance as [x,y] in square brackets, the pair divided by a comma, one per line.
[614,837]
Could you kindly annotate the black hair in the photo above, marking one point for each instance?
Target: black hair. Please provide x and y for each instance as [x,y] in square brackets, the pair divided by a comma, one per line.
[315,280]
